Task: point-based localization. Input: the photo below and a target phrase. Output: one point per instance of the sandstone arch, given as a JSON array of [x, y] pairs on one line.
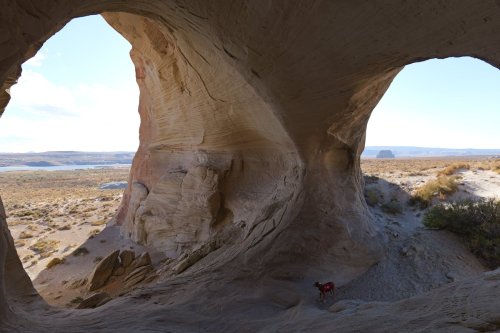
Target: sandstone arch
[[260, 109]]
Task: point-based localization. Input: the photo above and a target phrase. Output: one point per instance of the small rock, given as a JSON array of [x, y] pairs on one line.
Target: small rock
[[451, 276], [492, 275], [94, 301], [143, 260], [126, 257], [103, 271]]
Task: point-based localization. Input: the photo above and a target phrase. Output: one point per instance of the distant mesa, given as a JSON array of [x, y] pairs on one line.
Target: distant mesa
[[40, 164], [412, 151], [385, 154]]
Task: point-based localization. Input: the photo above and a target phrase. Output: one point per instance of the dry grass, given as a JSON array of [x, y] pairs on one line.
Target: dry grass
[[46, 208], [439, 187], [423, 166], [55, 262], [44, 247], [453, 168]]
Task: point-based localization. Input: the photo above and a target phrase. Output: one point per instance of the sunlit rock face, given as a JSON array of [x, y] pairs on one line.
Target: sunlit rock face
[[213, 157], [253, 118]]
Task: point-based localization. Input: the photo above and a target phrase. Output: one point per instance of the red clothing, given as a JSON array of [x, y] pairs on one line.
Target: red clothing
[[324, 288]]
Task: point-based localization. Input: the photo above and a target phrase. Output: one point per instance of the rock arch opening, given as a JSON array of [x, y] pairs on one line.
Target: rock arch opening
[[431, 140], [70, 126]]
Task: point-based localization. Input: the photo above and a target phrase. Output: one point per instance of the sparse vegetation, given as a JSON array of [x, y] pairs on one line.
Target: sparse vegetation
[[439, 187], [98, 222], [25, 234], [393, 207], [44, 247], [373, 196], [76, 300], [453, 168], [81, 251], [64, 227], [27, 258], [477, 222]]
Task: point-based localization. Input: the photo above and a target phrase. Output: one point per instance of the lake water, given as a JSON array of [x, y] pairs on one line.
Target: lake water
[[63, 167]]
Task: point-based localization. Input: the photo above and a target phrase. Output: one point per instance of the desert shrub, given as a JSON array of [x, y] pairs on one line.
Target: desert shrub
[[451, 169], [44, 247], [81, 251], [496, 167], [64, 227], [441, 186], [55, 262], [76, 300], [27, 258], [25, 234], [477, 222], [493, 165], [392, 207], [98, 222], [373, 196]]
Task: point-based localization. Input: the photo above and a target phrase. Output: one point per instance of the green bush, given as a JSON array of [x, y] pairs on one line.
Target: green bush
[[477, 222]]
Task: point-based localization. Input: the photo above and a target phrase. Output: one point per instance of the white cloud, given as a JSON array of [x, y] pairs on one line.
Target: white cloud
[[45, 116], [37, 60], [37, 95]]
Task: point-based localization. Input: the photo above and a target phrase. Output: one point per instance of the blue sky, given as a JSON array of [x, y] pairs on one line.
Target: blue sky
[[79, 93], [450, 103]]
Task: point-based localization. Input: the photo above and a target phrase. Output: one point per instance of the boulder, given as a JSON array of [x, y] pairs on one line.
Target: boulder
[[103, 271], [94, 301]]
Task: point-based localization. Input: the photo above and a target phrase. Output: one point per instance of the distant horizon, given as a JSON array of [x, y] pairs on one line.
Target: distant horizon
[[134, 151], [426, 147], [69, 151]]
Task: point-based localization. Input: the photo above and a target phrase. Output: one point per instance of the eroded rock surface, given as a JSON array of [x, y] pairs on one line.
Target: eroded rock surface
[[103, 271], [253, 117]]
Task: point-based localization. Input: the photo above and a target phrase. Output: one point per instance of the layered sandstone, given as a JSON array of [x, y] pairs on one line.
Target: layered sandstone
[[253, 117]]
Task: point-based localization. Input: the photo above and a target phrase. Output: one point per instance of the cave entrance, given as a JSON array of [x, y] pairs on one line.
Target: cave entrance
[[433, 139], [74, 117], [437, 114]]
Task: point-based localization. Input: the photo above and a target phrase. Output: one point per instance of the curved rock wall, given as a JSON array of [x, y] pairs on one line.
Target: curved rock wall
[[253, 116], [213, 154]]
